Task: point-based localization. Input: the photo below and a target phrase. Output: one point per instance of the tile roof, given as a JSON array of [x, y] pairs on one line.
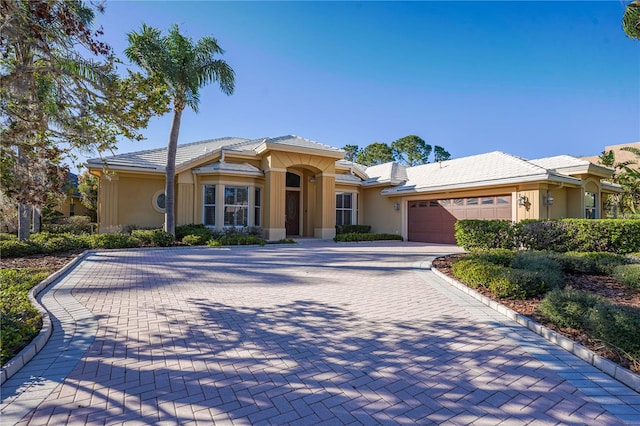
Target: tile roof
[[477, 170], [156, 159], [559, 162], [391, 172], [243, 168]]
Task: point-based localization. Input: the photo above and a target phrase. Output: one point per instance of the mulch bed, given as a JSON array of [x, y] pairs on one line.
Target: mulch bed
[[604, 286]]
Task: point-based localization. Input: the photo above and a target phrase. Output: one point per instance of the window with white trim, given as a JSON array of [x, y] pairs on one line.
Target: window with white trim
[[209, 203], [236, 205], [590, 206], [344, 208], [257, 207]]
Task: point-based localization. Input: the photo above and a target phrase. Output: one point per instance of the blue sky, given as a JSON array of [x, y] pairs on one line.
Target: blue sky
[[533, 79]]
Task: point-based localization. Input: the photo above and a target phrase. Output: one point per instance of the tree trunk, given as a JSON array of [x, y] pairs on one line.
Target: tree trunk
[[24, 221], [169, 190], [37, 219]]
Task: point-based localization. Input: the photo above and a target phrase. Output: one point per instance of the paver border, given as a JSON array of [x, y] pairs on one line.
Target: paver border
[[37, 344], [621, 374]]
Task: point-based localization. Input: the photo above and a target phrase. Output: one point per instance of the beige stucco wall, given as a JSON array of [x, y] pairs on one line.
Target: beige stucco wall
[[378, 212], [135, 204]]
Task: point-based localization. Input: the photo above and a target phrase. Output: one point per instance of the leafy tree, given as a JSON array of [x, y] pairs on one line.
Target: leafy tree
[[184, 67], [627, 176], [411, 150], [374, 154], [351, 152], [54, 100], [88, 188], [440, 154], [631, 20]]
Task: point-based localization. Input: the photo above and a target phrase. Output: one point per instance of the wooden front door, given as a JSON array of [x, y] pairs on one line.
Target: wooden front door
[[292, 212]]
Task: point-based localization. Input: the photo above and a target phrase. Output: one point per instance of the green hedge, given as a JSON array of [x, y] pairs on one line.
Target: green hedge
[[620, 236], [628, 275], [350, 229], [475, 234], [20, 322], [356, 236]]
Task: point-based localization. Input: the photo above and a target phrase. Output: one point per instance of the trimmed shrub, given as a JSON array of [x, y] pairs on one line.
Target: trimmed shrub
[[240, 240], [153, 237], [113, 241], [193, 229], [568, 307], [59, 243], [597, 263], [349, 229], [628, 275], [213, 243], [522, 284], [20, 322], [543, 235], [70, 225], [612, 235], [475, 234], [476, 272], [194, 240], [7, 237], [617, 327], [15, 248], [355, 237], [502, 257]]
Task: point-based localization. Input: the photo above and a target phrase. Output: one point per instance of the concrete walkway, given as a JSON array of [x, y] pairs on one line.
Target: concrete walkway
[[302, 334]]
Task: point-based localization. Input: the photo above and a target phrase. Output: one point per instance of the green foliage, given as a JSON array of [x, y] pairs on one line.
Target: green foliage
[[628, 275], [214, 243], [356, 236], [6, 237], [504, 287], [502, 257], [584, 235], [631, 20], [475, 234], [568, 307], [20, 322], [193, 229], [88, 189], [525, 283], [351, 152], [617, 327], [240, 240], [348, 229], [109, 241], [71, 225], [15, 248], [194, 240], [597, 263], [440, 154], [374, 154], [543, 235], [476, 272], [153, 237], [411, 151], [60, 243]]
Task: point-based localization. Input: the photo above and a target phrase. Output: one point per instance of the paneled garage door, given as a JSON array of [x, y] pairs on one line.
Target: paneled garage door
[[432, 221]]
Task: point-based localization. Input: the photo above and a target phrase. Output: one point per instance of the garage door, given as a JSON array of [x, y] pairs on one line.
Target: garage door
[[432, 221]]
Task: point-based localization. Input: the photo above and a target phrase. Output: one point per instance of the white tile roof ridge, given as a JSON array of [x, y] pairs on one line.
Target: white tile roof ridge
[[292, 136], [158, 150]]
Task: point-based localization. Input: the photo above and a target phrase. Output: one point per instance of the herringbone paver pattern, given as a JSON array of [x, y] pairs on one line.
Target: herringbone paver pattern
[[310, 334]]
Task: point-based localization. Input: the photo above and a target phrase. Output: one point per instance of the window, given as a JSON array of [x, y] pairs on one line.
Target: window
[[591, 211], [159, 201], [472, 201], [445, 202], [344, 208], [257, 207], [236, 205], [458, 201], [209, 205], [433, 203], [503, 200], [487, 200], [293, 180]]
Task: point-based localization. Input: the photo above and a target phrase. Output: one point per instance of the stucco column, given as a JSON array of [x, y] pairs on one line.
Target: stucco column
[[108, 204], [274, 204], [325, 218], [184, 199]]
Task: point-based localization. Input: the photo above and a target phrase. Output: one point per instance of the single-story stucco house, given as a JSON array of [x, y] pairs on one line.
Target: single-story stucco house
[[290, 186]]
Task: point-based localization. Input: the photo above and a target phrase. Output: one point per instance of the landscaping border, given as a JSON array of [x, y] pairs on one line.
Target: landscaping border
[[28, 352], [623, 375]]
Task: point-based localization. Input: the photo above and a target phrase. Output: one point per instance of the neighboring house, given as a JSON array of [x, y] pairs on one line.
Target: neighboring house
[[620, 155], [72, 204], [291, 186]]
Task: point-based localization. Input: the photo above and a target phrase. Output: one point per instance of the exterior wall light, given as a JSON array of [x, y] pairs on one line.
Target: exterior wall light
[[396, 206], [547, 200], [522, 200]]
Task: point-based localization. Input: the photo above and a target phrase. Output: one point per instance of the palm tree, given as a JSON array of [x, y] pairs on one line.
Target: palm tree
[[185, 67], [631, 20]]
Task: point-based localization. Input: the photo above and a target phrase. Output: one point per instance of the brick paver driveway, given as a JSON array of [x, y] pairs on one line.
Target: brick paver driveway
[[307, 334]]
